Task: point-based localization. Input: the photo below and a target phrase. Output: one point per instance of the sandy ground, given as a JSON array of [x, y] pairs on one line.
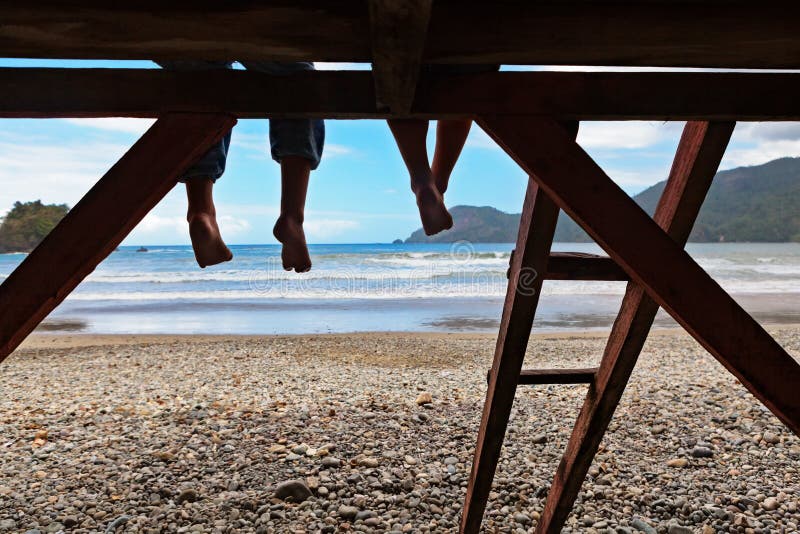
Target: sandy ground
[[202, 433]]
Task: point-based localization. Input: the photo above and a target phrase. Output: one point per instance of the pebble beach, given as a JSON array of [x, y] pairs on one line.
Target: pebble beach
[[372, 433]]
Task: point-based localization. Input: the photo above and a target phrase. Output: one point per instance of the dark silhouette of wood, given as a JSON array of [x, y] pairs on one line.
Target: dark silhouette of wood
[[731, 34], [699, 153], [534, 377], [102, 219], [580, 266], [398, 31], [536, 230], [668, 274], [43, 93]]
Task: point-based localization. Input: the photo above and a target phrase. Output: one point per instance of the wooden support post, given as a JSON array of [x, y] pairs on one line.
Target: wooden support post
[[398, 31], [536, 230], [102, 219], [667, 273], [699, 153]]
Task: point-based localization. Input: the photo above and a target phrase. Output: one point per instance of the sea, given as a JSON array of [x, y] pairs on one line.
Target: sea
[[456, 287]]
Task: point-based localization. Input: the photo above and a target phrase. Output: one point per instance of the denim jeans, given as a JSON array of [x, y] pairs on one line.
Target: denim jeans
[[287, 137]]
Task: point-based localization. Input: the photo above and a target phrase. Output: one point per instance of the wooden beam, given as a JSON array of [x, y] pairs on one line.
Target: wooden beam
[[668, 274], [579, 266], [557, 376], [536, 230], [729, 34], [102, 219], [699, 153], [398, 31], [47, 93]]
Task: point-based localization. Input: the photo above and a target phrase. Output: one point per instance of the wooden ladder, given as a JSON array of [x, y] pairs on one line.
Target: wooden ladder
[[700, 151]]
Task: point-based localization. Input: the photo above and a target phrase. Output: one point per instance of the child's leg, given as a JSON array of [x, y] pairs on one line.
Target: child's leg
[[295, 174], [209, 248], [450, 138], [410, 136]]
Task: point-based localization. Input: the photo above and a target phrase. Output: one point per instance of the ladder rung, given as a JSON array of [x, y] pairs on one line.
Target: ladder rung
[[554, 376], [580, 266]]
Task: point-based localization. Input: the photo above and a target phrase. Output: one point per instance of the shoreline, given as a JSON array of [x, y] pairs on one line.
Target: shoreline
[[64, 340]]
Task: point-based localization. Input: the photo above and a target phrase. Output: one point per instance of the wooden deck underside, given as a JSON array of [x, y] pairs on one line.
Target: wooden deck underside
[[522, 111]]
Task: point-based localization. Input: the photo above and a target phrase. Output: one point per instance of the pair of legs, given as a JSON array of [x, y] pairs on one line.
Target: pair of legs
[[429, 180], [296, 144], [209, 247]]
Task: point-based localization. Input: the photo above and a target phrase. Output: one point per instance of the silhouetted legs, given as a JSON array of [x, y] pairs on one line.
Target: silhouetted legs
[[450, 138], [209, 248], [410, 135], [295, 174]]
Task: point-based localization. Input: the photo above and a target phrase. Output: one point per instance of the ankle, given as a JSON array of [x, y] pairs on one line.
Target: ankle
[[295, 218], [200, 214]]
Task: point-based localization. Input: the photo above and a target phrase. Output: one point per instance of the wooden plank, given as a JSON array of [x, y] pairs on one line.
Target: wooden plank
[[580, 266], [44, 93], [533, 377], [536, 230], [557, 376], [733, 34], [398, 31], [699, 153], [669, 275], [102, 219]]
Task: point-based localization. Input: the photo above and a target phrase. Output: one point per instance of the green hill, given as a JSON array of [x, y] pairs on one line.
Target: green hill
[[27, 223], [751, 204]]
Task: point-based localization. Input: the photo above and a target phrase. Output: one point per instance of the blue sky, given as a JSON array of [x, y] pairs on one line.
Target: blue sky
[[359, 194]]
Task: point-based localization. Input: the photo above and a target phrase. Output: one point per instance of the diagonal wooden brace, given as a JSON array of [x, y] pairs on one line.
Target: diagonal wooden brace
[[545, 150], [536, 230], [102, 219], [699, 153]]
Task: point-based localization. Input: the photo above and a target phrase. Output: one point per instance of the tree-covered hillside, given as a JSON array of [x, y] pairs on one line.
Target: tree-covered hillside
[[27, 223], [760, 203]]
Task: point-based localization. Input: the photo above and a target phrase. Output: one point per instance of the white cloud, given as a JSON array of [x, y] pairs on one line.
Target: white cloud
[[603, 135], [329, 65], [625, 135], [115, 124], [757, 143], [332, 150], [35, 168], [324, 228]]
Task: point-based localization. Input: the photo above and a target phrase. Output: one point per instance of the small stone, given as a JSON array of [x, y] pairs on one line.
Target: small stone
[[770, 504], [677, 462], [300, 449], [329, 462], [771, 437], [640, 524], [424, 398], [292, 491], [348, 512], [450, 460], [702, 452], [70, 521], [657, 429], [708, 529], [187, 495], [522, 519], [365, 514], [678, 529], [539, 439], [115, 524], [7, 525], [55, 526]]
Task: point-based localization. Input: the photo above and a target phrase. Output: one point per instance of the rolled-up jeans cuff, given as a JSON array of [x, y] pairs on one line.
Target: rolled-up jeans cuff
[[303, 138]]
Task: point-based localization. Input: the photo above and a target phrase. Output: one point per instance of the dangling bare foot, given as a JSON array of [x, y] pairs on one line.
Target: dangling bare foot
[[209, 248], [432, 211], [294, 252]]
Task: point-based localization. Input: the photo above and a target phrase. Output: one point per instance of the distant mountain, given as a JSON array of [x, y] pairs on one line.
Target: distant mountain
[[27, 224], [759, 203]]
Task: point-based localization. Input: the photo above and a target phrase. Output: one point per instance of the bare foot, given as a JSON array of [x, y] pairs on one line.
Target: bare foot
[[432, 211], [209, 248], [294, 253]]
